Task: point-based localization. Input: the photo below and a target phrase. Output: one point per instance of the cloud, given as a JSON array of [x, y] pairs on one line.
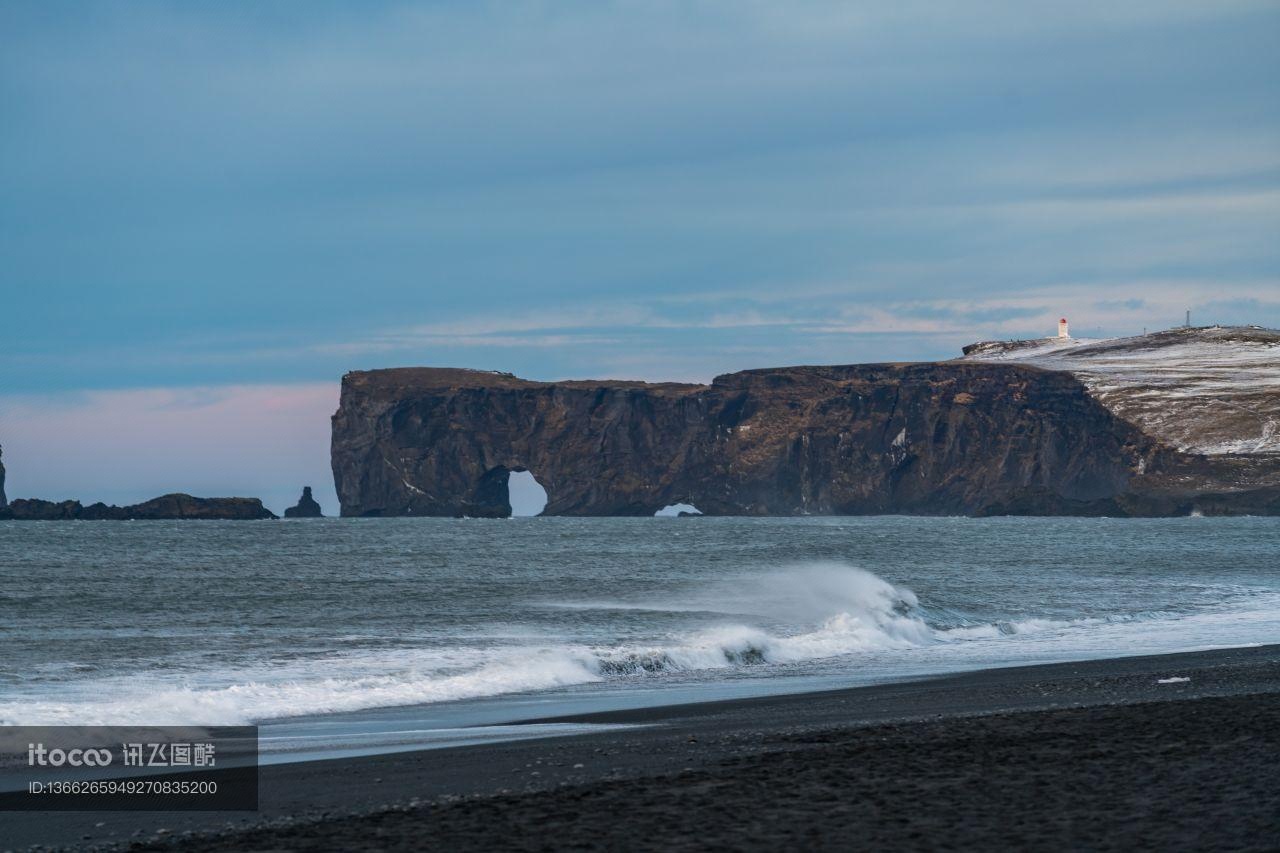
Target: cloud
[[1120, 304], [778, 318]]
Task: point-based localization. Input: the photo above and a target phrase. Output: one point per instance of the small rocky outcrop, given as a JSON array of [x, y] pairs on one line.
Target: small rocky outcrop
[[307, 507], [34, 509], [163, 508]]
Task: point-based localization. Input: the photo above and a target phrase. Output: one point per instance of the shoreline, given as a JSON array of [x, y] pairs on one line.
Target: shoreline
[[335, 803]]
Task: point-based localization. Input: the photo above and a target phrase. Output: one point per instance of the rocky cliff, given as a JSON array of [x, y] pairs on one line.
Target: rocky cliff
[[3, 501], [959, 437], [166, 507]]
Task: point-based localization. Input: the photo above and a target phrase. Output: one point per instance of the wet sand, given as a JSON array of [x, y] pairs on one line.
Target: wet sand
[[1090, 755]]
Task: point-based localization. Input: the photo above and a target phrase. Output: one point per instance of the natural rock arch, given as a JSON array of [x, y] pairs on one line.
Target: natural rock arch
[[494, 496], [525, 495]]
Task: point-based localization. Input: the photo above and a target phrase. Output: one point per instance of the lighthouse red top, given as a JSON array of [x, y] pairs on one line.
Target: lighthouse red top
[[1063, 320]]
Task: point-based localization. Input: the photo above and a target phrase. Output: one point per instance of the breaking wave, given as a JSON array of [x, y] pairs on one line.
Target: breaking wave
[[826, 612]]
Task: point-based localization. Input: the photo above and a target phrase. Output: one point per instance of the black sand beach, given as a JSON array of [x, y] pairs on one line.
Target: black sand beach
[[1090, 755]]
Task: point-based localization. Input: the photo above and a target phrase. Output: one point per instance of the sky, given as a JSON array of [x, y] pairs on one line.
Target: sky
[[210, 211]]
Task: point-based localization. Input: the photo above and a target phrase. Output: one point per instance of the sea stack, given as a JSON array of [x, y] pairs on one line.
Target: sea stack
[[306, 508], [3, 501]]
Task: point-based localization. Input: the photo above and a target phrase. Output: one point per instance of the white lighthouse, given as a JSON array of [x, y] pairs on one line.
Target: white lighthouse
[[1062, 328]]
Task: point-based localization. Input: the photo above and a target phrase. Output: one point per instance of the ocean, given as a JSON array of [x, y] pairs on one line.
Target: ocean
[[341, 636]]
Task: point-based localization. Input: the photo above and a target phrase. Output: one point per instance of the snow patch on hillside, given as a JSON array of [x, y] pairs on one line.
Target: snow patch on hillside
[[1212, 390]]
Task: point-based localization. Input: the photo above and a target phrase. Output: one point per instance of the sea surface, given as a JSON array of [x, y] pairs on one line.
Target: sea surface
[[341, 636]]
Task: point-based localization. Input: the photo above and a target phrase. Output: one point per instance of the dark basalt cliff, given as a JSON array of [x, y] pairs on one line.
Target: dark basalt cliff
[[307, 507], [166, 507], [968, 438], [3, 501]]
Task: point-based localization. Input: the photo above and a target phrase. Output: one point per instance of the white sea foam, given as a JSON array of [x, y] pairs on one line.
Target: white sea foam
[[814, 613], [837, 610], [306, 692]]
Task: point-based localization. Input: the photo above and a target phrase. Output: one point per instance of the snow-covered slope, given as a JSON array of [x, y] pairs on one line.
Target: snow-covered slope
[[1213, 390]]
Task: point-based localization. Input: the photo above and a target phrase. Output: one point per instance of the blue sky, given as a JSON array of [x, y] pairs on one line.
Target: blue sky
[[208, 206]]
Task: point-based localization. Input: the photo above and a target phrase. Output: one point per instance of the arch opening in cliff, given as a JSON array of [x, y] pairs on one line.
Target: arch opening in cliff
[[674, 510], [526, 496]]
